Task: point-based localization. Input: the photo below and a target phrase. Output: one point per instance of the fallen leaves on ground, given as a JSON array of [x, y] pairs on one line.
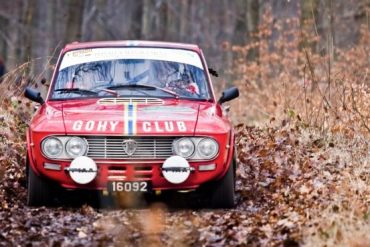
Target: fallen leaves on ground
[[285, 181]]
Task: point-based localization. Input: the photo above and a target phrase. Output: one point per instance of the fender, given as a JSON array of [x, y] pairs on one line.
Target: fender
[[31, 159], [229, 155]]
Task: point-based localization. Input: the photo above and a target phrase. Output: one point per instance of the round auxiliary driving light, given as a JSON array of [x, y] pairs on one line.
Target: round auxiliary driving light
[[83, 170], [176, 169]]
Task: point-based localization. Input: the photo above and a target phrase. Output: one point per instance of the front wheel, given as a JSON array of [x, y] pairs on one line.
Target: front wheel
[[221, 193], [39, 191]]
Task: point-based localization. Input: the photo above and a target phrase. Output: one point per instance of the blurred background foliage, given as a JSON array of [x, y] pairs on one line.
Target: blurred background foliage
[[38, 29]]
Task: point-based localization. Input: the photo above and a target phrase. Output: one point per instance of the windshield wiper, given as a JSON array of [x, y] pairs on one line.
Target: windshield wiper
[[125, 85], [75, 90], [85, 91]]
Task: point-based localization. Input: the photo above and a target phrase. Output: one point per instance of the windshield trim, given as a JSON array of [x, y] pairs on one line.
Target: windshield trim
[[165, 98]]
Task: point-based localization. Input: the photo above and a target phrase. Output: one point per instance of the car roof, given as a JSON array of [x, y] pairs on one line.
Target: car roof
[[130, 43]]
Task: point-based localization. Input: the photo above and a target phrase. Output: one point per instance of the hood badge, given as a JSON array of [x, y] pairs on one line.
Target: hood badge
[[129, 146]]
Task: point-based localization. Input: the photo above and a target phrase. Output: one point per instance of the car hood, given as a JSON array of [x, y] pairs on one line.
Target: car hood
[[92, 118]]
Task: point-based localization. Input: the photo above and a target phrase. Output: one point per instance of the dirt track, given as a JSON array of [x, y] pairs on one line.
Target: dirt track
[[152, 225], [271, 193]]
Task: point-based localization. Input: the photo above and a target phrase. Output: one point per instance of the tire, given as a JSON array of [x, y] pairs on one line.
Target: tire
[[221, 193], [39, 191]]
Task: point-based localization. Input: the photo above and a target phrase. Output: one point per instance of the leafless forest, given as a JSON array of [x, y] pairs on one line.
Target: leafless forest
[[302, 121], [37, 29]]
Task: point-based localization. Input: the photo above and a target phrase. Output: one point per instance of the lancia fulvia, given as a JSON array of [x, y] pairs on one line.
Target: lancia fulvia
[[131, 117]]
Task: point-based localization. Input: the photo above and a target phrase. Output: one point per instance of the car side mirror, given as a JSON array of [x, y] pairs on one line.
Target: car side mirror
[[229, 94], [213, 72], [33, 95]]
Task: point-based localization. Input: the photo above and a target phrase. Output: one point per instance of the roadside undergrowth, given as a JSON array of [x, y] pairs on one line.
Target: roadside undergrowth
[[317, 107], [15, 114]]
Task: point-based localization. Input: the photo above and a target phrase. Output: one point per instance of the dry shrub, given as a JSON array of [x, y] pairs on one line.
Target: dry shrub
[[15, 113], [323, 101], [290, 82]]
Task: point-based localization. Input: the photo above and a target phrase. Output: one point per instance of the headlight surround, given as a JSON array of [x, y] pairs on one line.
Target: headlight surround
[[64, 147], [52, 147], [196, 148], [207, 148], [184, 147], [76, 147]]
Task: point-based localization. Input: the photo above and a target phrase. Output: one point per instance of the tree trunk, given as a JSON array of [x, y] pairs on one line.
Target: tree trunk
[[145, 20], [100, 32], [28, 35], [74, 21], [184, 11], [252, 20], [309, 20]]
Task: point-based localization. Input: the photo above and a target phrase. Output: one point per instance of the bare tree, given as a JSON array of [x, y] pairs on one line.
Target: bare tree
[[74, 20]]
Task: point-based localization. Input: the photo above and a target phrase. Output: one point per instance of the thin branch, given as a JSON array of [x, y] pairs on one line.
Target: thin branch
[[354, 107], [314, 80], [6, 38]]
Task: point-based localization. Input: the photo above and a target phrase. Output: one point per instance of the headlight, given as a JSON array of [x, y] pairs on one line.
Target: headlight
[[76, 147], [184, 147], [207, 148], [52, 147]]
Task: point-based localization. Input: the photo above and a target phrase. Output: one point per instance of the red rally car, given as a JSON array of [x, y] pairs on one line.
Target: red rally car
[[132, 116]]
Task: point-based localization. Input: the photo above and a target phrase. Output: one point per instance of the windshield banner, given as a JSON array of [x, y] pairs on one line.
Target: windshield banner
[[100, 54]]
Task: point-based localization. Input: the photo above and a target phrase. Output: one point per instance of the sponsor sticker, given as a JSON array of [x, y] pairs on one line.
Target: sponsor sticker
[[130, 126]]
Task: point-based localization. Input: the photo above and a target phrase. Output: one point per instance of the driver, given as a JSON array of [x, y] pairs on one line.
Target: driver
[[175, 77]]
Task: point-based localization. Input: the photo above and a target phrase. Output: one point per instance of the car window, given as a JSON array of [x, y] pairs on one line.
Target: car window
[[93, 70]]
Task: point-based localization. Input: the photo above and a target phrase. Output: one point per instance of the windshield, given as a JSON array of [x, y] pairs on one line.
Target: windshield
[[131, 72]]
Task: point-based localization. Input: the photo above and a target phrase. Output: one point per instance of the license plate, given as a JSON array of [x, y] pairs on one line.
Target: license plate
[[127, 186]]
